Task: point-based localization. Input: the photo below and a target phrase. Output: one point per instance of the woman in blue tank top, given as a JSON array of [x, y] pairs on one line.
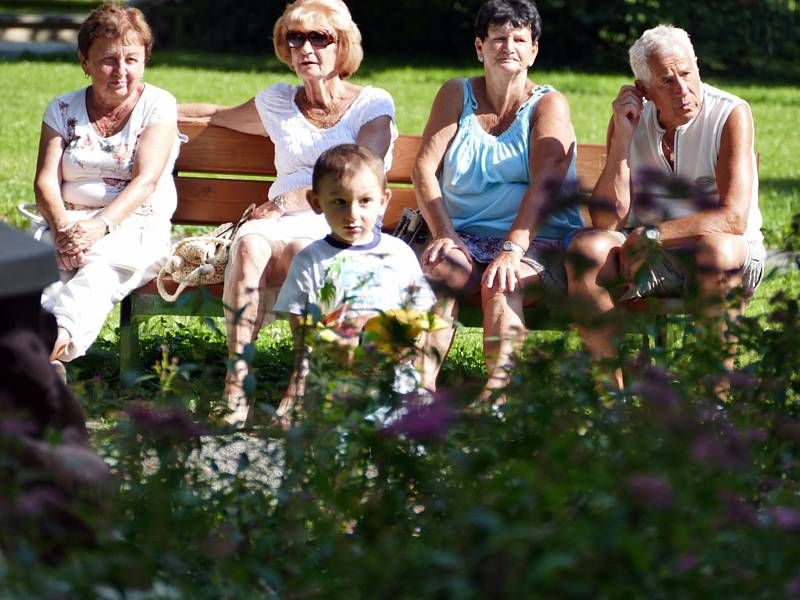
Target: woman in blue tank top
[[494, 151]]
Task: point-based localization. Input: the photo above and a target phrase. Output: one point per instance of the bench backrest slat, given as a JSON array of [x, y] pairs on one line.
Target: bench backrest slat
[[222, 152]]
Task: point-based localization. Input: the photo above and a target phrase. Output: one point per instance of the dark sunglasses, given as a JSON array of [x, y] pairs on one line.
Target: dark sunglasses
[[317, 39]]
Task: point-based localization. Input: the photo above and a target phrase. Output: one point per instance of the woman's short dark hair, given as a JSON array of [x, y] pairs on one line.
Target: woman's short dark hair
[[113, 20], [520, 13]]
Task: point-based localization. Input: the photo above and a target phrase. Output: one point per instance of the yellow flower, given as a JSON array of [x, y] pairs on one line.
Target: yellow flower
[[399, 328]]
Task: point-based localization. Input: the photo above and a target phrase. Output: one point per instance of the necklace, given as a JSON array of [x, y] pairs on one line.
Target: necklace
[[109, 123], [669, 150], [322, 117]]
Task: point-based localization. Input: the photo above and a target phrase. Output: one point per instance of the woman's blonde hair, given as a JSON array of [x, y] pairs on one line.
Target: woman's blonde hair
[[305, 14]]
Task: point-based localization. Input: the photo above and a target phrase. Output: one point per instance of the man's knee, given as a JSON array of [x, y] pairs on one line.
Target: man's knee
[[589, 251], [720, 253]]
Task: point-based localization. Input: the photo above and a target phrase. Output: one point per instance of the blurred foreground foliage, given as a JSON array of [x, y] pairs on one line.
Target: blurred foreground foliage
[[566, 490]]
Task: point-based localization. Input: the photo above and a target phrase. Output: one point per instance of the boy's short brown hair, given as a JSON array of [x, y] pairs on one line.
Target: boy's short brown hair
[[343, 160]]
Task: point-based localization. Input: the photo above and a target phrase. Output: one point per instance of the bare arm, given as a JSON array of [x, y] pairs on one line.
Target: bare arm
[[376, 135], [152, 153], [242, 118], [47, 182], [439, 132], [611, 198], [734, 183], [552, 145], [47, 190]]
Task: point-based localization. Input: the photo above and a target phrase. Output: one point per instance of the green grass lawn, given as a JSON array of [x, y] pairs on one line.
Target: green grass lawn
[[28, 85]]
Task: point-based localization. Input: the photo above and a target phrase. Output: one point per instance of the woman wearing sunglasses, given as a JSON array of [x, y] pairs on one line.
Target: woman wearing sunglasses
[[320, 42], [495, 154]]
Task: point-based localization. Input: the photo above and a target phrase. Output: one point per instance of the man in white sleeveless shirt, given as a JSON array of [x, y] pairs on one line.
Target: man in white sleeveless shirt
[[705, 233]]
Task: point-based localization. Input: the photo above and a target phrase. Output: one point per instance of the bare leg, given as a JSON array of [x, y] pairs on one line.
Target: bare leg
[[720, 258], [63, 339], [503, 330], [435, 345], [592, 264], [454, 275], [256, 264], [244, 313]]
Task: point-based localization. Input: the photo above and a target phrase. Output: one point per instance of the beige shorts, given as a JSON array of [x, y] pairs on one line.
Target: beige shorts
[[668, 272]]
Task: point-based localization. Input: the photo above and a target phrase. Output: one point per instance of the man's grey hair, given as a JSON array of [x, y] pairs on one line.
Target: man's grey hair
[[662, 39]]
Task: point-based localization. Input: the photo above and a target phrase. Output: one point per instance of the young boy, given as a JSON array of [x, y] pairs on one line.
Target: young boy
[[356, 271]]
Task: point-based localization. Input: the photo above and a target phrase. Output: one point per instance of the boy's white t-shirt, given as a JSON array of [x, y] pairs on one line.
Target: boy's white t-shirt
[[381, 275]]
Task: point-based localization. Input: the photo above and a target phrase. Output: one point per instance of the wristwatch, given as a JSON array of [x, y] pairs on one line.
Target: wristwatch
[[280, 203], [652, 233], [509, 246], [111, 227]]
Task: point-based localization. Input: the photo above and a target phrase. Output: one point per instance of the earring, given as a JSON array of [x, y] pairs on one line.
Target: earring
[[86, 76], [480, 58]]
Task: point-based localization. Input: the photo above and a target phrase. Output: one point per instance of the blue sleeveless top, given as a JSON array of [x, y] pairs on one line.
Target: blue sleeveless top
[[484, 177]]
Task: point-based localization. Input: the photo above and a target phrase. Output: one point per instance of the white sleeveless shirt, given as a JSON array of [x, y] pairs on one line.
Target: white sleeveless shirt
[[696, 151], [298, 143]]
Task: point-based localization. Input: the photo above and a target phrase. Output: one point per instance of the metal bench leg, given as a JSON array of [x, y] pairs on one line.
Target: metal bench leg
[[128, 339], [661, 334], [644, 353]]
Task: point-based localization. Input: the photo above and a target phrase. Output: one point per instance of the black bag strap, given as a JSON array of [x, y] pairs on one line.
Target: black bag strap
[[230, 232]]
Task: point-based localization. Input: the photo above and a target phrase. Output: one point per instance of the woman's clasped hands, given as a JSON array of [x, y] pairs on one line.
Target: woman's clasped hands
[[74, 240]]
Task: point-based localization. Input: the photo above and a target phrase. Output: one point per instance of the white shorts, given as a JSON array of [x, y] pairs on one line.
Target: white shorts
[[291, 226]]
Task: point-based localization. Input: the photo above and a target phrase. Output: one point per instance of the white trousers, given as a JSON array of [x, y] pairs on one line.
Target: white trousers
[[116, 265], [83, 298]]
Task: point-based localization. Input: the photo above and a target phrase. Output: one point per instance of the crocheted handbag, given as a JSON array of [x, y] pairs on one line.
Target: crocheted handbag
[[200, 260]]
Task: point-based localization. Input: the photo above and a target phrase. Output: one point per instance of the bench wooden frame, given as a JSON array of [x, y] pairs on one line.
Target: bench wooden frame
[[220, 172]]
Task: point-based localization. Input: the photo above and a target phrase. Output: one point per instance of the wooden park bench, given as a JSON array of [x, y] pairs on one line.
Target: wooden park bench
[[220, 172]]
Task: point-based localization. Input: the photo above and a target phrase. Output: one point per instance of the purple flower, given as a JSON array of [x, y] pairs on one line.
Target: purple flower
[[756, 435], [12, 426], [724, 449], [792, 588], [786, 518], [654, 386], [650, 491], [167, 424], [36, 501], [769, 484], [737, 510], [423, 421], [686, 562]]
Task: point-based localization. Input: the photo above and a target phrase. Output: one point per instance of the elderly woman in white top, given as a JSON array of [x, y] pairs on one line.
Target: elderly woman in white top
[[104, 177], [320, 42]]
